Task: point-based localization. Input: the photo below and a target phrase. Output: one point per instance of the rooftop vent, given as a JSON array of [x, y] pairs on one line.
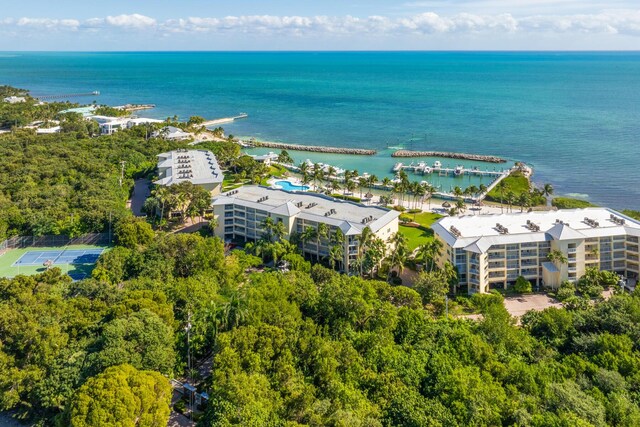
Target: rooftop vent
[[616, 220], [502, 229], [455, 231], [231, 193]]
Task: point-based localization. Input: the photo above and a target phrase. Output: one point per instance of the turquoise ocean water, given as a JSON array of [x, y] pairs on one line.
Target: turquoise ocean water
[[575, 117]]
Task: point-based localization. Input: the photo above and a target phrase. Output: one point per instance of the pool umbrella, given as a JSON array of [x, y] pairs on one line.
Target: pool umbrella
[[446, 205]]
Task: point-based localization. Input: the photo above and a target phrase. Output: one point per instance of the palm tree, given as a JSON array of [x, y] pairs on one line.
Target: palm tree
[[557, 257], [419, 191], [308, 234], [285, 158], [334, 185], [364, 239], [482, 189], [524, 200], [336, 255], [322, 232], [510, 198], [457, 191], [268, 225], [429, 252], [279, 231], [429, 189], [350, 186], [547, 191], [331, 172], [386, 182], [460, 206], [399, 254], [502, 186]]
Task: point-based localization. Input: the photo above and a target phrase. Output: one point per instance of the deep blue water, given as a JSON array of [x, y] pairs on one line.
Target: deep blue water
[[574, 116]]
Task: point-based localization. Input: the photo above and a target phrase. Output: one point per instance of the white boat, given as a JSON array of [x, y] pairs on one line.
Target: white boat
[[427, 169], [437, 164], [459, 170], [397, 167]]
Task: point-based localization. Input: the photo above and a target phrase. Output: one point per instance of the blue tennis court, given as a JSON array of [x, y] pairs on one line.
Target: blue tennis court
[[69, 256]]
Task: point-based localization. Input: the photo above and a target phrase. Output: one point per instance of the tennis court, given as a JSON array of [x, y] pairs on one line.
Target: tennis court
[[65, 256], [77, 261]]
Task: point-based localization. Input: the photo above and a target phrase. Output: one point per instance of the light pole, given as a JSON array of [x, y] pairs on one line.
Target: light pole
[[187, 328]]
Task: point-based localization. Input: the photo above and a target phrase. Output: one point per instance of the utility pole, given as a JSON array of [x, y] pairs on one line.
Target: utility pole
[[191, 394], [122, 163]]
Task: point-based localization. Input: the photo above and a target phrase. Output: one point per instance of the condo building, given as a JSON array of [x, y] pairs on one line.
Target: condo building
[[199, 167], [491, 251], [240, 214]]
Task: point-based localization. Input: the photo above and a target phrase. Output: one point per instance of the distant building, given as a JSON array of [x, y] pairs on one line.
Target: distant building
[[240, 214], [199, 167], [15, 99], [172, 133], [110, 125], [267, 159], [491, 251]]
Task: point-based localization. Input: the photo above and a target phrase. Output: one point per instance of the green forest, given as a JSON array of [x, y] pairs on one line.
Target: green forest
[[305, 347]]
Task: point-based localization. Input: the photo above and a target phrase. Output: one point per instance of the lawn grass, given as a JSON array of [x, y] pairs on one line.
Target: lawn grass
[[516, 183], [418, 236], [7, 269]]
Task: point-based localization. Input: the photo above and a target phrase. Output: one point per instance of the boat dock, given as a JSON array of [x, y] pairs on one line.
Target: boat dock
[[216, 122], [424, 169]]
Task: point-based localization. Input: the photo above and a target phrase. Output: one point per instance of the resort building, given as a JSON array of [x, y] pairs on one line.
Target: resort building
[[172, 133], [240, 214], [267, 159], [199, 167], [15, 99], [110, 125], [491, 251]]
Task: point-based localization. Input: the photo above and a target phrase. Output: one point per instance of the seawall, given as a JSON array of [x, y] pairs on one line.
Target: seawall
[[450, 155]]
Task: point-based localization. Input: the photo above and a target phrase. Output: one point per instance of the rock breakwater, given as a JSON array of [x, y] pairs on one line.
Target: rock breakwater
[[449, 155]]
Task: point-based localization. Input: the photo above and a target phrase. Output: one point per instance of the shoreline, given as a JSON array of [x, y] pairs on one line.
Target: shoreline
[[449, 155], [311, 148]]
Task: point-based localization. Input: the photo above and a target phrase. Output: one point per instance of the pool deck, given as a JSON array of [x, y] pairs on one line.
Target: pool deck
[[293, 181]]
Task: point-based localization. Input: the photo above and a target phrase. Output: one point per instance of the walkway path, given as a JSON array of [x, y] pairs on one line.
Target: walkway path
[[141, 192]]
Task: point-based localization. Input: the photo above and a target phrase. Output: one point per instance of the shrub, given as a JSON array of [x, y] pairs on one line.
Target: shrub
[[180, 407], [566, 291], [569, 203], [522, 286]]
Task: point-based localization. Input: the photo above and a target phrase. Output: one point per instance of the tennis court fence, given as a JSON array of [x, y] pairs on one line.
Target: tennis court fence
[[20, 242]]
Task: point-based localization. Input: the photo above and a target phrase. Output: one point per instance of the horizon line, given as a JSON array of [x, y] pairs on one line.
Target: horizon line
[[333, 51]]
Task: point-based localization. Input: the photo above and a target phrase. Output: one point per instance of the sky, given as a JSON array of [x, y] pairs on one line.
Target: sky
[[91, 25]]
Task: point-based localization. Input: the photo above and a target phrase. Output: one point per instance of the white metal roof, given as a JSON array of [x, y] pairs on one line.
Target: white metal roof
[[569, 224], [348, 216], [196, 166]]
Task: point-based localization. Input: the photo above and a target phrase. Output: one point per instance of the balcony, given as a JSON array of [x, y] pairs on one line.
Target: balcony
[[572, 250]]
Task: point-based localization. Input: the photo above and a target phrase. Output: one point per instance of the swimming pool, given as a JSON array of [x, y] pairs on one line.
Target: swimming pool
[[286, 185]]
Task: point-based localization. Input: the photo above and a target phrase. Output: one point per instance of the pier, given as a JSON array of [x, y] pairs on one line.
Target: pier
[[449, 155], [217, 122], [425, 169], [68, 95], [310, 148]]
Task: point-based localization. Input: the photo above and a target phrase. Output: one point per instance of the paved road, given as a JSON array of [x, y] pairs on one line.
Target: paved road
[[141, 192]]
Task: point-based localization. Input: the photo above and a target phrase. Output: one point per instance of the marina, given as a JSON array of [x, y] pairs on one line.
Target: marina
[[459, 170]]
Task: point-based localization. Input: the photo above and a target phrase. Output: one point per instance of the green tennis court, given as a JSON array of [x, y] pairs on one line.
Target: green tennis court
[[75, 260]]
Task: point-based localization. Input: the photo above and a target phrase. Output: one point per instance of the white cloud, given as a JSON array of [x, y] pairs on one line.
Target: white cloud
[[626, 22], [134, 21]]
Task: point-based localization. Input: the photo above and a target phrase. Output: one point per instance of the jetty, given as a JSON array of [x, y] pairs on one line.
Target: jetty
[[449, 155], [136, 107], [311, 148], [67, 95], [217, 122]]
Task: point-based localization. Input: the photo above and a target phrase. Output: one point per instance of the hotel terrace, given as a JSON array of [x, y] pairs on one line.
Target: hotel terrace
[[491, 251], [240, 213], [199, 167]]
